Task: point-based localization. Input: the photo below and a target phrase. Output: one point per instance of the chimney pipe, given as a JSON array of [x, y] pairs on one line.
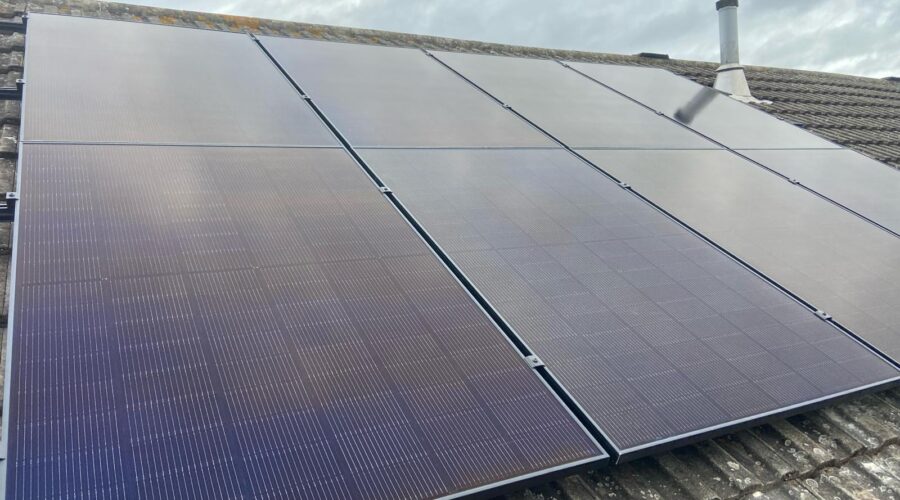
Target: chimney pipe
[[730, 77]]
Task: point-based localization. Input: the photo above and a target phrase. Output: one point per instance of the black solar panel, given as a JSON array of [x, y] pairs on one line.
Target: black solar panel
[[657, 335], [107, 81], [221, 322], [385, 96], [851, 179], [705, 110], [838, 262], [574, 109]]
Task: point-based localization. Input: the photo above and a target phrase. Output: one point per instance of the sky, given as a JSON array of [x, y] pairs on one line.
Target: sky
[[858, 37]]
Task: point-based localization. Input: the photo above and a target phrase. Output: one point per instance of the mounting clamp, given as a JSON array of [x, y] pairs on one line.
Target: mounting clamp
[[385, 189], [822, 315], [534, 361], [8, 207], [506, 106], [13, 26], [624, 185], [305, 97]]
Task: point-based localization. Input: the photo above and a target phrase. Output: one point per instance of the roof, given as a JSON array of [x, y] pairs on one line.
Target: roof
[[849, 450]]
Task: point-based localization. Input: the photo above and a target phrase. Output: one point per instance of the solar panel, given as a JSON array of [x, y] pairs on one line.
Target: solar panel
[[847, 177], [572, 108], [385, 96], [734, 124], [838, 262], [658, 336], [108, 81], [223, 322]]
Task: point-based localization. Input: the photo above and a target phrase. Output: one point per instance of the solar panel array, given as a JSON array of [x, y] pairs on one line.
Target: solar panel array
[[212, 298], [247, 321]]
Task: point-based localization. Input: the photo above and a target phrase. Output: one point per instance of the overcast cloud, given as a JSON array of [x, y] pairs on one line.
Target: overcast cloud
[[860, 37]]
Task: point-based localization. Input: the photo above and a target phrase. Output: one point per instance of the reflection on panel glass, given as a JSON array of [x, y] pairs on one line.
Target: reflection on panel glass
[[656, 334], [847, 177], [253, 322], [111, 81], [572, 108], [387, 96], [833, 259], [734, 124]]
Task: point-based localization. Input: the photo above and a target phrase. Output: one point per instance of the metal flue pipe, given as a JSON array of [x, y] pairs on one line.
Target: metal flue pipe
[[730, 77]]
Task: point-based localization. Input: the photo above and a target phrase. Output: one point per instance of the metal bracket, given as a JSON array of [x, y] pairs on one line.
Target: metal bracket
[[534, 361], [660, 113], [822, 315], [506, 106], [13, 93], [564, 65], [385, 189], [427, 53], [8, 207], [624, 185], [305, 97], [793, 180], [14, 27]]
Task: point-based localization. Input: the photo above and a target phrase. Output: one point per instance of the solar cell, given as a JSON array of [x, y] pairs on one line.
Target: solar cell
[[847, 177], [223, 322], [656, 334], [840, 263], [386, 96], [713, 114], [111, 81], [574, 109]]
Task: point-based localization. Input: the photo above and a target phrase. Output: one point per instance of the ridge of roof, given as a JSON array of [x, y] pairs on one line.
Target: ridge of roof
[[848, 450]]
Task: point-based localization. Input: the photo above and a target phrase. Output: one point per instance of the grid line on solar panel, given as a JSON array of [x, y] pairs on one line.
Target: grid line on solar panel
[[830, 258], [228, 371], [93, 80], [389, 96], [709, 112], [575, 110], [645, 325]]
